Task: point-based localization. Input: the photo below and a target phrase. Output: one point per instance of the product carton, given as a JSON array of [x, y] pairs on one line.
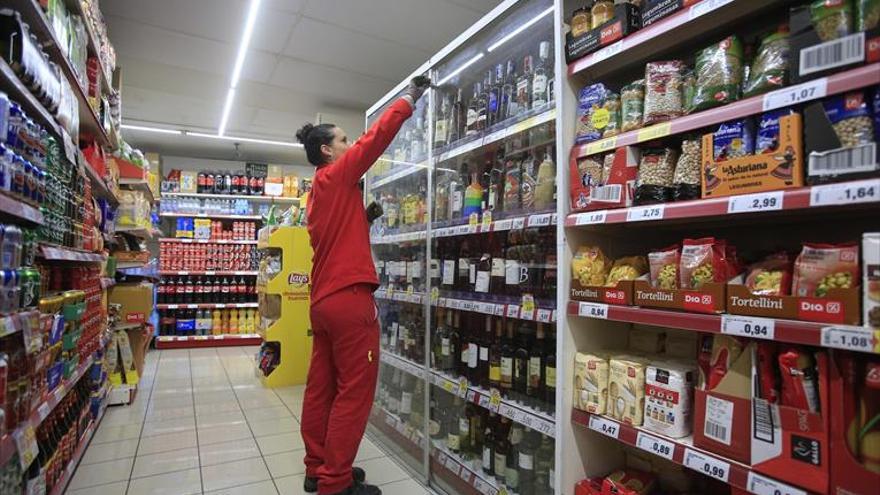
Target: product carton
[[871, 279], [840, 306], [274, 181], [708, 299], [135, 300], [722, 415], [591, 382], [827, 159], [626, 389], [781, 169], [626, 19], [654, 10], [618, 294], [614, 191], [792, 444]]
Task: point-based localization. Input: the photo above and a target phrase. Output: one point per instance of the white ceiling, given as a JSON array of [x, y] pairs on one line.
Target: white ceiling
[[333, 57]]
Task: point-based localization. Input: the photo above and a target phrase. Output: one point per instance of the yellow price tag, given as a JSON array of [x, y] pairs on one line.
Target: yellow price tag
[[602, 145], [528, 303], [487, 219], [503, 491], [435, 295], [463, 387], [495, 399], [409, 290], [474, 219], [654, 132], [449, 386]]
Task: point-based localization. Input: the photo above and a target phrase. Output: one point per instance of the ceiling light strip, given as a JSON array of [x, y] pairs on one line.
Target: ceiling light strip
[[151, 129], [245, 42], [520, 29], [464, 66], [227, 109], [245, 140]]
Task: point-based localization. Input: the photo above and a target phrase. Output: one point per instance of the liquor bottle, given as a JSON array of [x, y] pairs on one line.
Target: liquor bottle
[[524, 87], [507, 362], [484, 274], [521, 367], [489, 441], [462, 279], [456, 195], [473, 112], [550, 374], [540, 78], [441, 126], [473, 349], [508, 107], [502, 448], [482, 105], [453, 361], [528, 183], [498, 275], [495, 357], [526, 462], [436, 422], [473, 199], [457, 120], [493, 178], [441, 198], [438, 337], [473, 417], [493, 94], [544, 462], [485, 343], [545, 182], [512, 201], [511, 473], [537, 356], [464, 349], [406, 397], [453, 433]]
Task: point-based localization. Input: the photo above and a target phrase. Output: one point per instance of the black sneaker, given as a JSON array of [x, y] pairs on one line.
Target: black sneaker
[[310, 485], [360, 489]]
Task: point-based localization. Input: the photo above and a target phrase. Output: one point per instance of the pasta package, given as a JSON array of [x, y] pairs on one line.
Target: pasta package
[[591, 382], [706, 260], [832, 19], [820, 267], [627, 268], [626, 389], [770, 277], [664, 267], [719, 72], [590, 266], [669, 388]]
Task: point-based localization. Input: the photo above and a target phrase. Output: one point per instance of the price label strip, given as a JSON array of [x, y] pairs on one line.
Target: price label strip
[[851, 338], [708, 465], [604, 426], [592, 218], [645, 213], [793, 95], [607, 52], [654, 445], [752, 203], [26, 445], [762, 485], [706, 6], [748, 326], [593, 310], [865, 191]]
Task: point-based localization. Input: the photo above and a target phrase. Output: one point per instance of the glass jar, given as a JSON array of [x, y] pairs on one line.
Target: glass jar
[[580, 21], [602, 12]]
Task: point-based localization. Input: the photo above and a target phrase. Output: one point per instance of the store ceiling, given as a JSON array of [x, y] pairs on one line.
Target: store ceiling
[[307, 57]]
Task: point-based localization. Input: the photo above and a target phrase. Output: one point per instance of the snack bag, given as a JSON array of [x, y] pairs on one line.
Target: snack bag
[[820, 267], [664, 267], [663, 97], [719, 72], [770, 277], [632, 105], [686, 179], [589, 266], [851, 118], [628, 268], [768, 372]]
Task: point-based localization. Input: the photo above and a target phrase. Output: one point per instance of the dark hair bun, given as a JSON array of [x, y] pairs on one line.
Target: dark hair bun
[[303, 133]]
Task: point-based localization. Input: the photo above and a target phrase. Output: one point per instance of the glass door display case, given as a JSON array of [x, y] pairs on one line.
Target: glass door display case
[[466, 254]]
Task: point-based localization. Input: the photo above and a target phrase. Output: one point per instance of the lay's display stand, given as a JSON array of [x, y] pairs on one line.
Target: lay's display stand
[[286, 296]]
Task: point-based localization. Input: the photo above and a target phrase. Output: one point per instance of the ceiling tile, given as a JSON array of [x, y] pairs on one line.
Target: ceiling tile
[[333, 86]]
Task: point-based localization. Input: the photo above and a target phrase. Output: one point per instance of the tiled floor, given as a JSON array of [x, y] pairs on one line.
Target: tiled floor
[[203, 424]]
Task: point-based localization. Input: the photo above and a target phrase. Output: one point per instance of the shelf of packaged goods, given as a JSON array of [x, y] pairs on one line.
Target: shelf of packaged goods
[[99, 187], [545, 219], [208, 306], [401, 170], [217, 216], [32, 13], [861, 193], [58, 253], [403, 435], [191, 341], [204, 241], [25, 429], [504, 306], [681, 451], [141, 185], [417, 235], [147, 271], [10, 324], [518, 125], [209, 272], [142, 232], [259, 199], [848, 337], [812, 90], [681, 29], [492, 400], [67, 475], [93, 46], [402, 363], [13, 207]]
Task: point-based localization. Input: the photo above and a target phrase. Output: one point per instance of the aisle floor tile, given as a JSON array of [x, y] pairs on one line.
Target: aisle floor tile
[[268, 413], [286, 463], [110, 433], [282, 442], [383, 470], [101, 473], [165, 443], [291, 485], [187, 482], [220, 418], [111, 451], [274, 426], [261, 488], [223, 433], [235, 473], [117, 488], [236, 450], [165, 462], [404, 487]]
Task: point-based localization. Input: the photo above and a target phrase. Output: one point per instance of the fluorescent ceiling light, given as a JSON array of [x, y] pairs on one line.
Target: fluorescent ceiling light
[[245, 42], [245, 140], [150, 129], [227, 108], [520, 29], [463, 67]]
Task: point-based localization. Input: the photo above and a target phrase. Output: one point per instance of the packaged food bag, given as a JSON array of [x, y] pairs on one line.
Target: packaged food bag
[[627, 268], [664, 267], [851, 118], [832, 19], [769, 69], [632, 105], [663, 96], [669, 390], [705, 260], [767, 139], [592, 118], [733, 140], [591, 382], [867, 14], [771, 276], [686, 181], [820, 267], [719, 73], [590, 266]]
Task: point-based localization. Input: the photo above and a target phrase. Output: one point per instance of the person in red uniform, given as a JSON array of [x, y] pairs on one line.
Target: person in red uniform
[[345, 354]]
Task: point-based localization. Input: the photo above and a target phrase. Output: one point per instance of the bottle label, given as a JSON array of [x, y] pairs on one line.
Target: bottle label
[[482, 282], [511, 477], [500, 463], [550, 376], [487, 457], [471, 121], [465, 355], [535, 372], [493, 102], [512, 272], [448, 272], [435, 269], [464, 427], [484, 353], [498, 267], [464, 267], [453, 441], [433, 427], [526, 462], [440, 129], [507, 367], [405, 403], [472, 274], [456, 202], [473, 355], [444, 347], [495, 374]]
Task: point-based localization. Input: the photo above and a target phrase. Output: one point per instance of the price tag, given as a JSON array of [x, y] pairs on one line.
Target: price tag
[[518, 223], [503, 491], [761, 485], [592, 218], [654, 445], [524, 419], [645, 213], [798, 93], [751, 203], [26, 445], [593, 310], [503, 224], [219, 305], [608, 51], [850, 338], [482, 486], [864, 191], [463, 387], [604, 426], [483, 401], [544, 315], [540, 220], [441, 457], [435, 295], [487, 221], [748, 326], [210, 272], [602, 145], [499, 310], [527, 314], [654, 132], [173, 306], [43, 411], [201, 337], [453, 466], [545, 427], [494, 400], [512, 311], [705, 7], [708, 465]]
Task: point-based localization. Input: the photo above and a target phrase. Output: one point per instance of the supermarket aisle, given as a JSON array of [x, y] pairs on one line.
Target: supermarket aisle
[[202, 423]]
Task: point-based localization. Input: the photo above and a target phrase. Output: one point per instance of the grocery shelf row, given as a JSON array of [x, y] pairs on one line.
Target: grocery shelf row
[[218, 216], [501, 225], [208, 306], [192, 341], [258, 199], [10, 324], [20, 210], [205, 241], [811, 90], [58, 253], [84, 441], [208, 272], [506, 306], [681, 451]]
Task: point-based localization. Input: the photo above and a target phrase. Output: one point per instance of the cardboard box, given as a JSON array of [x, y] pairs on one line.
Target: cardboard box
[[136, 301], [655, 10], [615, 191], [710, 299], [722, 415], [871, 279], [626, 20], [827, 159], [792, 444], [781, 169], [619, 294], [841, 306]]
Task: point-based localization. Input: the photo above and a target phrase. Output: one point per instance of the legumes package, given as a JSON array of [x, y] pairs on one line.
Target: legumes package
[[769, 69], [719, 72], [663, 97], [592, 116], [820, 267], [851, 118]]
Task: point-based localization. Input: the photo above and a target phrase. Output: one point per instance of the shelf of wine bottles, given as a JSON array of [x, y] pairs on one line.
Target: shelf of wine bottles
[[489, 305]]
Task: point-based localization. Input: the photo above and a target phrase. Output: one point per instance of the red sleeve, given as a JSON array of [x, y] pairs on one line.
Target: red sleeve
[[366, 150]]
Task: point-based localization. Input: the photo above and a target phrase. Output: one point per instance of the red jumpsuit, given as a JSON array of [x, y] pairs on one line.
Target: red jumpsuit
[[345, 355]]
